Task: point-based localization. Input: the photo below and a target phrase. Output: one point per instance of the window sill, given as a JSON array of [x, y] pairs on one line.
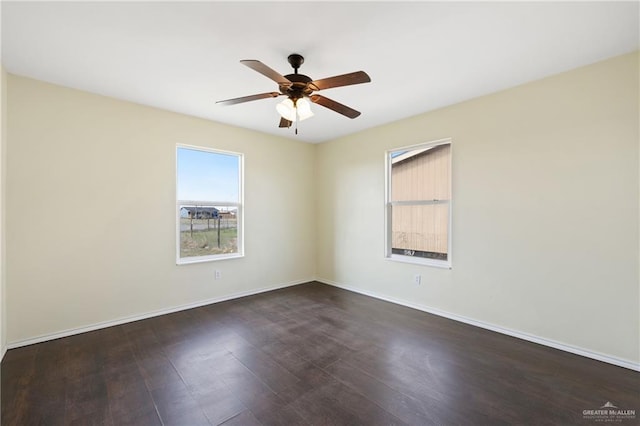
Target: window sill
[[444, 264], [203, 259]]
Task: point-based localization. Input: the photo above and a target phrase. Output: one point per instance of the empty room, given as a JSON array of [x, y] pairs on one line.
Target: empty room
[[320, 213]]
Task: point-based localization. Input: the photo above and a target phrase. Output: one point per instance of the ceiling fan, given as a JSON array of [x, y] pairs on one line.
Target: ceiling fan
[[299, 89]]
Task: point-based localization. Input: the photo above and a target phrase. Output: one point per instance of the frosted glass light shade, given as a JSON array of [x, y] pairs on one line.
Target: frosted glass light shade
[[304, 109], [292, 112], [287, 110]]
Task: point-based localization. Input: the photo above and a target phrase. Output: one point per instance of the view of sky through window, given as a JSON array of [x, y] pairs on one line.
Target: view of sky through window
[[209, 176]]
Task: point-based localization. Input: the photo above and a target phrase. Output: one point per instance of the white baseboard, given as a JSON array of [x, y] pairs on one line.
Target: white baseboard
[[124, 320], [520, 335]]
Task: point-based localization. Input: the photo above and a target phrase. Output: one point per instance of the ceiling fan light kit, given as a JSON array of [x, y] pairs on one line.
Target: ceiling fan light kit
[[295, 109], [299, 88]]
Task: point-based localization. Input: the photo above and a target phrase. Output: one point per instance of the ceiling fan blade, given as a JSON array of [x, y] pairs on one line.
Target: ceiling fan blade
[[249, 98], [266, 71], [335, 106], [357, 77], [284, 122]]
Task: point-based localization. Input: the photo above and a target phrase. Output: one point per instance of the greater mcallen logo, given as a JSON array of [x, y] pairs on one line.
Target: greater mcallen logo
[[609, 413]]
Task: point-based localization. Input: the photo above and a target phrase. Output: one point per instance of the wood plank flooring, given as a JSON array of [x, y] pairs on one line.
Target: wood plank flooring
[[305, 355]]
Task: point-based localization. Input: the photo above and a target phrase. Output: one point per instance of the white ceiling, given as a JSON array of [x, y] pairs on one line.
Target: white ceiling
[[420, 55]]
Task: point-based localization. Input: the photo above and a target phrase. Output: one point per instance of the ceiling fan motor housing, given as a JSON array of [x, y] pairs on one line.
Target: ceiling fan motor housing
[[298, 88]]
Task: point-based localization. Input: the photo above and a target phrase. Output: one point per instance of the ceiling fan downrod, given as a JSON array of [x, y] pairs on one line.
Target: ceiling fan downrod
[[296, 61]]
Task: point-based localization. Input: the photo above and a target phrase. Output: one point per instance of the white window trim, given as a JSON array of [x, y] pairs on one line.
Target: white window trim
[[447, 264], [239, 205]]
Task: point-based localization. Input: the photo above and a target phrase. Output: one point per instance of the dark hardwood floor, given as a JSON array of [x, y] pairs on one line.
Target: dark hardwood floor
[[309, 354]]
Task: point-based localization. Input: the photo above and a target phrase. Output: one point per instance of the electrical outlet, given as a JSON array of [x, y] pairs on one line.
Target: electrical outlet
[[417, 279], [218, 274]]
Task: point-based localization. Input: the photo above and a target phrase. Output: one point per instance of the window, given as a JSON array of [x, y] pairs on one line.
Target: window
[[418, 204], [209, 205]]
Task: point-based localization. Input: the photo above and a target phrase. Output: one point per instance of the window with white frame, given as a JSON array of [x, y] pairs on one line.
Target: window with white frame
[[418, 204], [209, 204]]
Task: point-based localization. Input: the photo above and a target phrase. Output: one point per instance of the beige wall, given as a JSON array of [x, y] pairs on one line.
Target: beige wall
[[545, 210], [81, 168]]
